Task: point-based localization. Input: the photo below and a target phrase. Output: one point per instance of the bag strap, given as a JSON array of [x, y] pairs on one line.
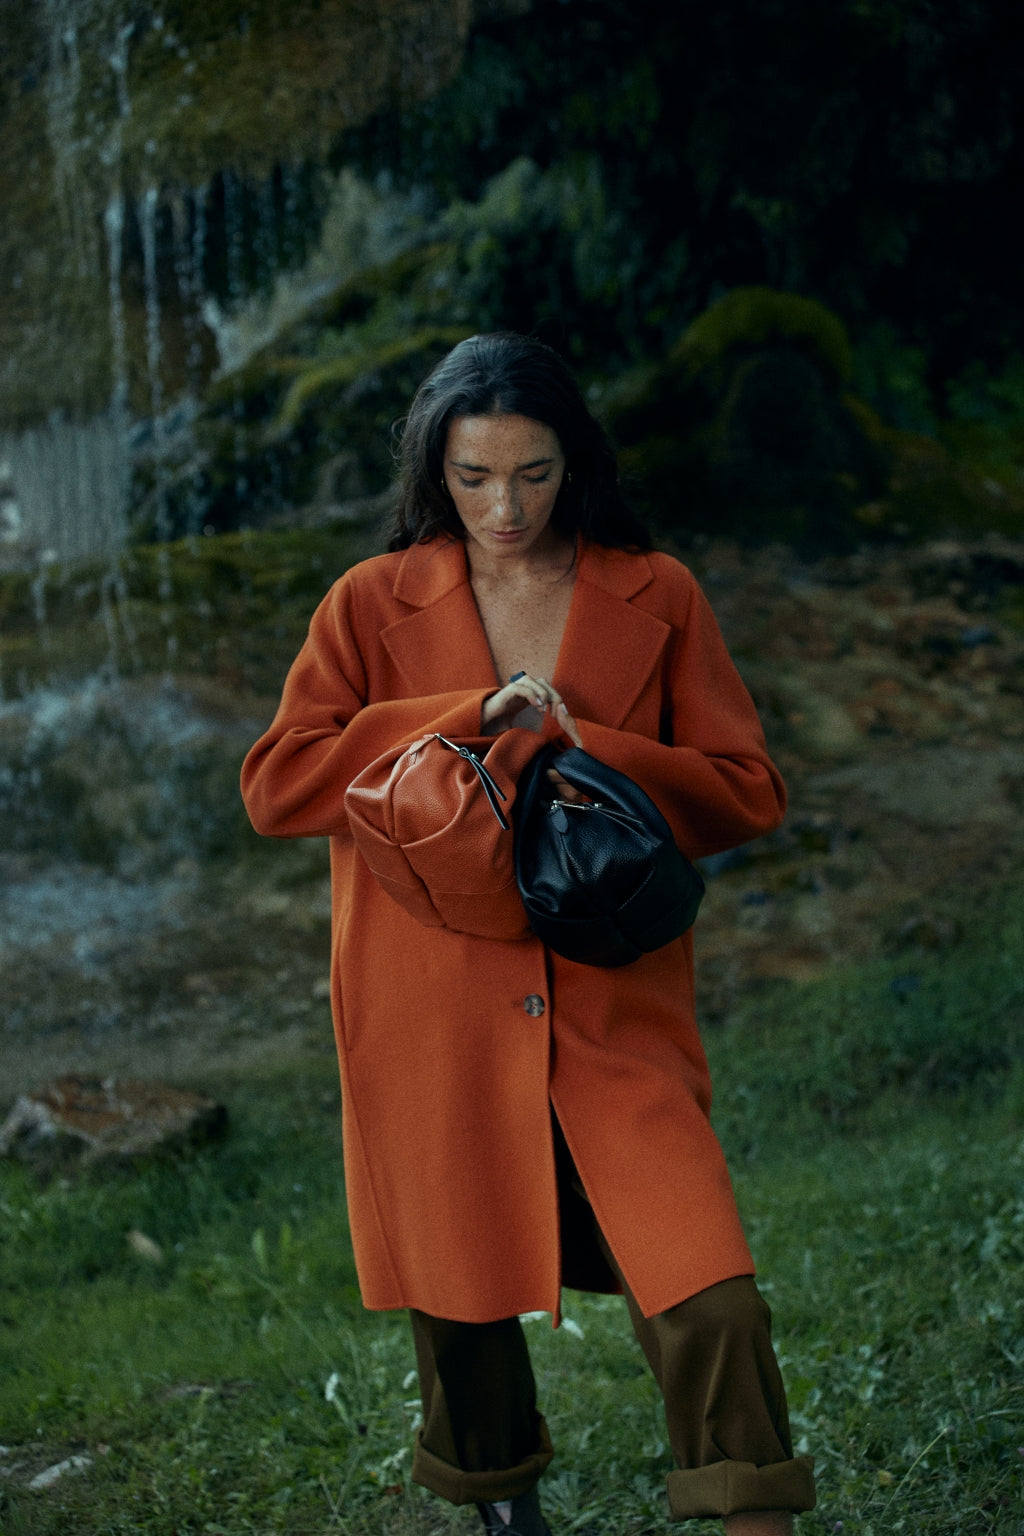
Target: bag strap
[[491, 789]]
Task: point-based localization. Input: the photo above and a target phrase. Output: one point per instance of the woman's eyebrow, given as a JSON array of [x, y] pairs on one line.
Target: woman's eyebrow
[[482, 469]]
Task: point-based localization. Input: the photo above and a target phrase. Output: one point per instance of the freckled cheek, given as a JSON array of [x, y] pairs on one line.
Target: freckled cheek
[[502, 503]]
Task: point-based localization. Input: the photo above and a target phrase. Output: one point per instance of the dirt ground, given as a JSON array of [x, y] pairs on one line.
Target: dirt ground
[[892, 691]]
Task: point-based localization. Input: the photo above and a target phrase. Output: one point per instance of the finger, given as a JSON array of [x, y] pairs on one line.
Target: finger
[[508, 701], [534, 689], [522, 691], [547, 694], [569, 725]]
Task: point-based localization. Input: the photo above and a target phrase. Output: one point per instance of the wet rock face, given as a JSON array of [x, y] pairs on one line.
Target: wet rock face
[[86, 1121], [149, 159]]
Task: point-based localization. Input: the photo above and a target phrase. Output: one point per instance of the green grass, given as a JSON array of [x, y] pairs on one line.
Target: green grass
[[875, 1133]]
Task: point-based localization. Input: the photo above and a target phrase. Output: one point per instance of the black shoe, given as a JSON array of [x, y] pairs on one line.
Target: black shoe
[[525, 1519]]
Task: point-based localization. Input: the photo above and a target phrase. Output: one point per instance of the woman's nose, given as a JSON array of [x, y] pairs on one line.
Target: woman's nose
[[505, 504]]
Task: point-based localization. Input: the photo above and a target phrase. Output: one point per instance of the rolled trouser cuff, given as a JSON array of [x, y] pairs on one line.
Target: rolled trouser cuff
[[460, 1487], [738, 1487]]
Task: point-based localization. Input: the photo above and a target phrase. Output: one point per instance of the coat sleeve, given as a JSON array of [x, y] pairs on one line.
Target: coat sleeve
[[710, 775], [326, 729]]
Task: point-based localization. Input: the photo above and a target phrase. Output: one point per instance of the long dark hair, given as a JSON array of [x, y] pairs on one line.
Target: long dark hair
[[504, 374]]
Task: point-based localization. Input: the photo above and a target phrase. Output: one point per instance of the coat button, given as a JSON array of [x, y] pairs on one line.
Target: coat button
[[534, 1005]]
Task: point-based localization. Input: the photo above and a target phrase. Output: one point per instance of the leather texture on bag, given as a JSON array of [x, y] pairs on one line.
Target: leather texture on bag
[[602, 883], [422, 820]]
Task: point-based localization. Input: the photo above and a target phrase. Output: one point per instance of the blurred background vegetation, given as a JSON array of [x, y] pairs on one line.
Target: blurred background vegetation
[[773, 237]]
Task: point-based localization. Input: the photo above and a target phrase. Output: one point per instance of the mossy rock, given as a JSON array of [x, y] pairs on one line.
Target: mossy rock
[[133, 690], [302, 430], [643, 402], [334, 378], [420, 281], [744, 428], [786, 458], [231, 610], [759, 318]]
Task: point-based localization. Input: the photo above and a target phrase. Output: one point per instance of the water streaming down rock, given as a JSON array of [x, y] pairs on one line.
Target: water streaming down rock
[[160, 177], [149, 204], [69, 479], [157, 213], [113, 222], [161, 171], [63, 85]]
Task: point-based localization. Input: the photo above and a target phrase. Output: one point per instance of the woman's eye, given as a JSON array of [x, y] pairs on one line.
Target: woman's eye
[[538, 479], [470, 485]]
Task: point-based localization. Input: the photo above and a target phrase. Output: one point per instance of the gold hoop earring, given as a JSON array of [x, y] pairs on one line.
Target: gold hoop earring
[[444, 489]]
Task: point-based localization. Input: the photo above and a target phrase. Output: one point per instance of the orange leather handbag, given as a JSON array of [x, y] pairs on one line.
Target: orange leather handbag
[[433, 821]]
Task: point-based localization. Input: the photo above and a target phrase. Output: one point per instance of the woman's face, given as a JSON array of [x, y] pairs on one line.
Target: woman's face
[[504, 473]]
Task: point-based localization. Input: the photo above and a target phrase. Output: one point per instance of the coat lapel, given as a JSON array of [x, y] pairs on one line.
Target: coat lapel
[[441, 647], [610, 647]]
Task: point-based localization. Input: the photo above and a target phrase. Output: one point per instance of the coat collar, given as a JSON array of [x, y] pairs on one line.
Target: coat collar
[[610, 646], [428, 572], [441, 646], [609, 649]]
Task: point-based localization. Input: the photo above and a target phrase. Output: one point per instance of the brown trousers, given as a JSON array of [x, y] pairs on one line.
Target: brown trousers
[[483, 1439]]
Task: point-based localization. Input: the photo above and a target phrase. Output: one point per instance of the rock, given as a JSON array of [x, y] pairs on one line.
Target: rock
[[38, 1467], [144, 1247], [44, 1480], [774, 448], [85, 1121]]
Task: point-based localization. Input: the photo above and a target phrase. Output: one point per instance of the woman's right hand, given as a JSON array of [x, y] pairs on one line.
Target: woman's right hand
[[500, 709]]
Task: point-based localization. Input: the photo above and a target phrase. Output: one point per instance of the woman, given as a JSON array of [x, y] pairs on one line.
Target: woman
[[513, 1121]]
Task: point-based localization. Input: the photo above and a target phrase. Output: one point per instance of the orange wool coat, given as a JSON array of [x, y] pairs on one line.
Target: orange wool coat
[[449, 1067]]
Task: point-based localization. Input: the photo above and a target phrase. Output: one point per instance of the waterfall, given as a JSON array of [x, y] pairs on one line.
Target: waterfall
[[67, 483], [114, 225], [176, 209], [64, 484]]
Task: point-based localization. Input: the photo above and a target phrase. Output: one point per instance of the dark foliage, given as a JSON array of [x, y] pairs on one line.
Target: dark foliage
[[866, 152]]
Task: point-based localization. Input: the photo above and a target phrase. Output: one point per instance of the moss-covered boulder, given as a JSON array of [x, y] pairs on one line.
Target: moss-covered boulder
[[749, 426], [133, 689], [746, 427], [760, 319], [305, 424]]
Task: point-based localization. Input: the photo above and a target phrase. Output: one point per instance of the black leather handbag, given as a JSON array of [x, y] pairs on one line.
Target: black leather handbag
[[602, 881]]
